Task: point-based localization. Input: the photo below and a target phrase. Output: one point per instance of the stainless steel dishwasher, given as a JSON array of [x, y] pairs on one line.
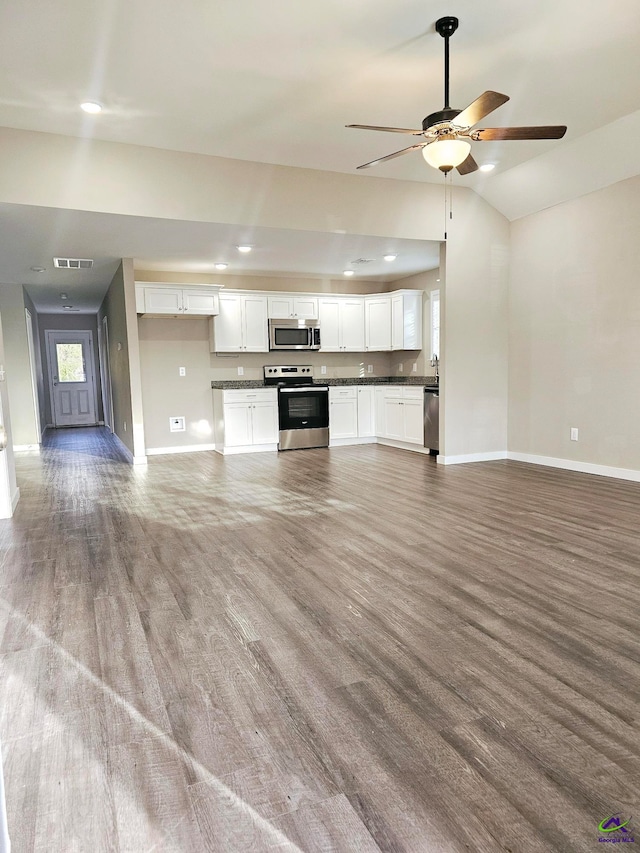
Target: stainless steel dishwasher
[[432, 419]]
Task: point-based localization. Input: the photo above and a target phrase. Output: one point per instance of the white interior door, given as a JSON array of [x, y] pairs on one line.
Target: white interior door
[[72, 381]]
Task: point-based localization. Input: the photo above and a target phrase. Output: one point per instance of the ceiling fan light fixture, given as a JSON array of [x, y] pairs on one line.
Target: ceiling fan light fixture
[[446, 154]]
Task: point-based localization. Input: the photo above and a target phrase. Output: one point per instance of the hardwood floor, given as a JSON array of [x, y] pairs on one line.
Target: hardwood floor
[[326, 650]]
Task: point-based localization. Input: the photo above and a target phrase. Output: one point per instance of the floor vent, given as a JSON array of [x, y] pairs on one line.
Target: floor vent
[[73, 263]]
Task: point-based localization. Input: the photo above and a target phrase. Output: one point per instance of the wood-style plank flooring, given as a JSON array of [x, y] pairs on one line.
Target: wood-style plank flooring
[[327, 650]]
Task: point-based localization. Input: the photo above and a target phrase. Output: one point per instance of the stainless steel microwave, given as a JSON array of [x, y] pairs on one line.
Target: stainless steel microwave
[[294, 334]]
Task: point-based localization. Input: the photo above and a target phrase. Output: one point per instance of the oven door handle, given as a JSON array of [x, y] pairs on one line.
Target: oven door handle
[[304, 390]]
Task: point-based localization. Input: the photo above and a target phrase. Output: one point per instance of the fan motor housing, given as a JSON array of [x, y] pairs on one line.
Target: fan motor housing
[[441, 117]]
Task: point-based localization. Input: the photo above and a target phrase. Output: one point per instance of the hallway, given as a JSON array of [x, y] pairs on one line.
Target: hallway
[[351, 649]]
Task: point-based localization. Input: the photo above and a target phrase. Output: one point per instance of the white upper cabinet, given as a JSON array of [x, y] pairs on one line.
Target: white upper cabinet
[[377, 323], [176, 300], [241, 325], [296, 307], [341, 323], [406, 320]]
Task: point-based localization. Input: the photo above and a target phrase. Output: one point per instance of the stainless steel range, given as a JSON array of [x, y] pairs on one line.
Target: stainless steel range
[[303, 408]]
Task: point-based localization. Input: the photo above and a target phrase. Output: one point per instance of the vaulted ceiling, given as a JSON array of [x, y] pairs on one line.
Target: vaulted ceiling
[[277, 82]]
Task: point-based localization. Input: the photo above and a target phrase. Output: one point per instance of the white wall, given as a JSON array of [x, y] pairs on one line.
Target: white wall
[[17, 366], [474, 338], [574, 330], [61, 172]]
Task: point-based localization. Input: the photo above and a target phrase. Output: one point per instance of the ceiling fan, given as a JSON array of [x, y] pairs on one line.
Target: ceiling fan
[[448, 132]]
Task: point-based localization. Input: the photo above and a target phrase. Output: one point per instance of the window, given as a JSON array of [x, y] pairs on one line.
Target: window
[[70, 363], [435, 324]]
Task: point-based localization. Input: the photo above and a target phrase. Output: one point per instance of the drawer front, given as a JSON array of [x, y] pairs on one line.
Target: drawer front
[[339, 393], [392, 391], [251, 395], [414, 392]]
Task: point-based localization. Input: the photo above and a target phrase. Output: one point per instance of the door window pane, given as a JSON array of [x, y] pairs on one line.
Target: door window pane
[[70, 363]]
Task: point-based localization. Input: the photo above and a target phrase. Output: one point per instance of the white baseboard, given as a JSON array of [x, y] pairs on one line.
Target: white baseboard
[[187, 448], [134, 460], [573, 465], [15, 497], [403, 445], [19, 448], [246, 448], [345, 442], [490, 456]]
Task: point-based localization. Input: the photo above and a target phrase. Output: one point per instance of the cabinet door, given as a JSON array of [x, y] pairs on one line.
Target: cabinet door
[[255, 327], [329, 317], [199, 302], [265, 423], [380, 415], [305, 307], [394, 419], [162, 300], [397, 322], [227, 326], [280, 307], [378, 323], [366, 411], [413, 421], [343, 418], [352, 325], [237, 424]]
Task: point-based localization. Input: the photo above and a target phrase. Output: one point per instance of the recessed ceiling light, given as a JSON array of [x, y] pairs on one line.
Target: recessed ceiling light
[[390, 257], [244, 249], [91, 107], [221, 266], [37, 269], [348, 272], [63, 296], [487, 167]]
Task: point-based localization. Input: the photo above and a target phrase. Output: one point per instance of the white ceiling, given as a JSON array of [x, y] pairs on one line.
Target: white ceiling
[[276, 82], [39, 234]]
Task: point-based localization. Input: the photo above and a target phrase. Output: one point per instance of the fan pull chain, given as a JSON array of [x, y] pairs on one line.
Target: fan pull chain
[[448, 200]]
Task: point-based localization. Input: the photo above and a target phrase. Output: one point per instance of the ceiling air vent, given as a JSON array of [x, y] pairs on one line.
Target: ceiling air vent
[[73, 263], [363, 261]]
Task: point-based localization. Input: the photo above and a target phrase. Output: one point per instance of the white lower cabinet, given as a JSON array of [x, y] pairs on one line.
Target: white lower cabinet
[[400, 413], [246, 421], [366, 411], [351, 414], [343, 412]]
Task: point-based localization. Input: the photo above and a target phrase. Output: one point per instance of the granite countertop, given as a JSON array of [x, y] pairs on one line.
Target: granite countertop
[[242, 384]]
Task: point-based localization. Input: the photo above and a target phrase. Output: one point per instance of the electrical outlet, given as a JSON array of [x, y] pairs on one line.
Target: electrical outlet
[[182, 371], [401, 368], [369, 368], [241, 371], [574, 433], [414, 369], [177, 424], [323, 369]]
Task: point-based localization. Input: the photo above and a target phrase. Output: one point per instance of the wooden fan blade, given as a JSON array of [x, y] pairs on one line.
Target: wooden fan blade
[[469, 165], [391, 156], [547, 132], [481, 107], [387, 129]]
